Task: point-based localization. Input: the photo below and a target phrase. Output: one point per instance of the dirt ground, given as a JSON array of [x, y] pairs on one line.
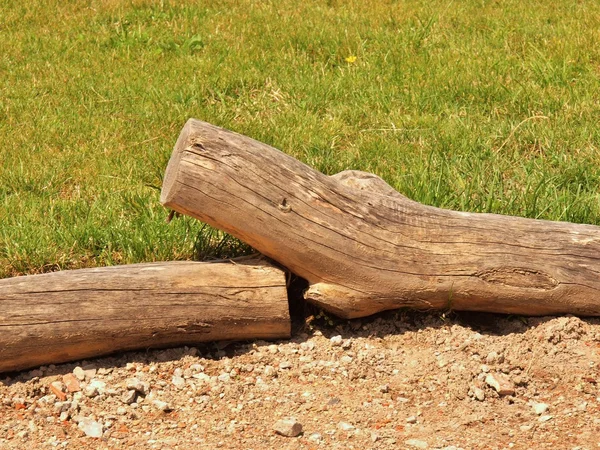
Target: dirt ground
[[397, 380]]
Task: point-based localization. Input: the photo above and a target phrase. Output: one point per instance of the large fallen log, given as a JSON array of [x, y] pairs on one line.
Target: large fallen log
[[70, 315], [365, 248]]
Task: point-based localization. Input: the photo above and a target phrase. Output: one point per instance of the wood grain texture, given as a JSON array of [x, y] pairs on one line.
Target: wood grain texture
[[365, 248], [64, 316]]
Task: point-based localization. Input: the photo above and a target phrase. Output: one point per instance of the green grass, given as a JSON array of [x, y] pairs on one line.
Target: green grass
[[472, 105]]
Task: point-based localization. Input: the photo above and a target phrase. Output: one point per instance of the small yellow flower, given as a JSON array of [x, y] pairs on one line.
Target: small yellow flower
[[351, 59]]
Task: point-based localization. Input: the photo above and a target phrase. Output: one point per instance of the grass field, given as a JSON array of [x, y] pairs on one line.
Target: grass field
[[474, 105]]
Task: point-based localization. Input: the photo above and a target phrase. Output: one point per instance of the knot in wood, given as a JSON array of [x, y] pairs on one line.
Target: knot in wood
[[284, 206]]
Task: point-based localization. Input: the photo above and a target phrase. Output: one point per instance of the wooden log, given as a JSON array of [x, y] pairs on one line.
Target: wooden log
[[70, 315], [365, 248]]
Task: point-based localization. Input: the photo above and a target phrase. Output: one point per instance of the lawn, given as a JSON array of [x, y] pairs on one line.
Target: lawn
[[483, 106]]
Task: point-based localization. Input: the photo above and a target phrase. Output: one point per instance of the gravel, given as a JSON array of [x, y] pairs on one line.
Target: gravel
[[398, 380]]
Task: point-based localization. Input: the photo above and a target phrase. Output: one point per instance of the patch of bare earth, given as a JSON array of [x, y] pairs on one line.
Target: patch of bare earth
[[400, 380]]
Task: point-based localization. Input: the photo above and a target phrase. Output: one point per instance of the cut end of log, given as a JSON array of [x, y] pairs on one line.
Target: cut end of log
[[170, 180]]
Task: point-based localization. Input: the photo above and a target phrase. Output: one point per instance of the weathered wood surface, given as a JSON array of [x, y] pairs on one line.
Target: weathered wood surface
[[70, 315], [365, 248]]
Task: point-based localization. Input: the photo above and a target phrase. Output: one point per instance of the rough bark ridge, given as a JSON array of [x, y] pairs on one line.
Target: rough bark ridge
[[75, 314], [365, 248]]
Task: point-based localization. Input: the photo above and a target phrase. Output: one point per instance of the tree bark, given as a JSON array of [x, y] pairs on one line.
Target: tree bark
[[70, 315], [365, 248]]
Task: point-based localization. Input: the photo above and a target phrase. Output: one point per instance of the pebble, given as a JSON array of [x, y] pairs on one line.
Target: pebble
[[79, 373], [315, 437], [345, 426], [161, 405], [288, 427], [94, 388], [71, 383], [494, 357], [411, 419], [500, 383], [224, 378], [336, 341], [178, 382], [283, 365], [479, 394], [270, 371], [140, 386], [416, 443], [540, 408], [545, 418], [58, 389], [90, 427], [128, 397]]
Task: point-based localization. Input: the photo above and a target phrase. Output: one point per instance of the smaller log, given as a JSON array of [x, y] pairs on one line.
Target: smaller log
[[71, 315]]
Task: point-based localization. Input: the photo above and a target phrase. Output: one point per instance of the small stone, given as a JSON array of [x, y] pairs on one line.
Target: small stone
[[345, 426], [416, 443], [142, 387], [283, 365], [64, 416], [500, 383], [62, 406], [374, 437], [478, 394], [411, 419], [540, 408], [178, 382], [90, 427], [385, 388], [224, 377], [128, 397], [315, 437], [79, 373], [545, 418], [485, 368], [526, 427], [336, 341], [273, 349], [90, 372], [493, 357], [347, 344], [96, 387], [23, 434], [161, 406], [58, 389], [197, 368], [288, 427], [270, 371], [71, 383]]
